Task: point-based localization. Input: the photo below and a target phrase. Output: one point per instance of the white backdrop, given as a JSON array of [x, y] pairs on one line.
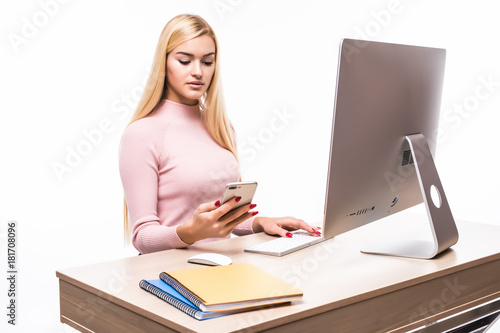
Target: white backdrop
[[72, 72]]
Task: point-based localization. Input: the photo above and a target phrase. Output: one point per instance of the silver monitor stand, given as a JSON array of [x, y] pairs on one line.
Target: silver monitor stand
[[442, 224]]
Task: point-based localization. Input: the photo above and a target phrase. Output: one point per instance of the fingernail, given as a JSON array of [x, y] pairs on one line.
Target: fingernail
[[217, 203], [252, 206], [318, 233], [237, 199], [289, 235], [255, 213]]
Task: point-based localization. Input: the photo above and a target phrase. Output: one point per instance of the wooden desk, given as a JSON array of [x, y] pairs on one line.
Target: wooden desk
[[344, 290]]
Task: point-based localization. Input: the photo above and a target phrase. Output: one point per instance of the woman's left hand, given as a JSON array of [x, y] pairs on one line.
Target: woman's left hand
[[282, 226]]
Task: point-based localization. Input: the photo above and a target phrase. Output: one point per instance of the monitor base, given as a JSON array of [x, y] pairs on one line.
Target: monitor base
[[400, 247]]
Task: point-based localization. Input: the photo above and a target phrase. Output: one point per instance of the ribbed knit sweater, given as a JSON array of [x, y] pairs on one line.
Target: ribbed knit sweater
[[169, 165]]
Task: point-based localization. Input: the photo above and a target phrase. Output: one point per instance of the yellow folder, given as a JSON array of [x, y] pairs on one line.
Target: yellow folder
[[232, 286]]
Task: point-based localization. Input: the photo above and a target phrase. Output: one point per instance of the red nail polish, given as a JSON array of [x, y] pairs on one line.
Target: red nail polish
[[318, 233], [255, 213], [289, 235], [252, 206], [237, 199], [217, 203]]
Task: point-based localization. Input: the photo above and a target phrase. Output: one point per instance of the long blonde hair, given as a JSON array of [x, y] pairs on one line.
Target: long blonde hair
[[177, 31]]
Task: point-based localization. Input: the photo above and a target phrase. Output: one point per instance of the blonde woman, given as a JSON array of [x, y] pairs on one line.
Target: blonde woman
[[179, 151]]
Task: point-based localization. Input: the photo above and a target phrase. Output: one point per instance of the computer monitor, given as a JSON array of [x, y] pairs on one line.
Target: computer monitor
[[384, 134]]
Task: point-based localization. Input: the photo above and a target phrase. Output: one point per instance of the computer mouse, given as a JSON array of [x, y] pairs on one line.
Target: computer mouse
[[211, 259]]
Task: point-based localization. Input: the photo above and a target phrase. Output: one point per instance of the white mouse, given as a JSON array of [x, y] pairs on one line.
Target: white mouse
[[211, 259]]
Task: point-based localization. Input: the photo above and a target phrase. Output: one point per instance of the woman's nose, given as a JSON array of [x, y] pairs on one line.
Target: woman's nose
[[196, 69]]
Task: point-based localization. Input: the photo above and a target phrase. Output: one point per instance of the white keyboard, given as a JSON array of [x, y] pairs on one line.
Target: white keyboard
[[282, 246]]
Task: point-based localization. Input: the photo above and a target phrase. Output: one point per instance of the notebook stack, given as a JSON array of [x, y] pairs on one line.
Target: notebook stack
[[209, 292]]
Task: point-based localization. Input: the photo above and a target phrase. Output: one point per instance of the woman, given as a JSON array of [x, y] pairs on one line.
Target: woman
[[179, 151]]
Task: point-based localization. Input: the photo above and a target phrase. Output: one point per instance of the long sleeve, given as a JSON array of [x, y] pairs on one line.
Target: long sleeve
[[139, 161], [244, 228]]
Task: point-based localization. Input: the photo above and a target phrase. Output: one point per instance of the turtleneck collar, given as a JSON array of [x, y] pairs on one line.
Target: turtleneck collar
[[179, 109]]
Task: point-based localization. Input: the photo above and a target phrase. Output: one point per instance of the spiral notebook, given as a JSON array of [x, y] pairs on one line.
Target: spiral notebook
[[237, 286], [165, 292]]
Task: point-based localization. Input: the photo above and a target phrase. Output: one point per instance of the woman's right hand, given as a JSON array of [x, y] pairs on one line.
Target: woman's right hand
[[213, 220]]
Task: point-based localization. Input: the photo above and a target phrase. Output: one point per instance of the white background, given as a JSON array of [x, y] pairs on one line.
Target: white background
[[69, 67]]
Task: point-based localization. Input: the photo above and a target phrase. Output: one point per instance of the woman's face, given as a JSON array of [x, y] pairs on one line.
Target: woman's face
[[190, 67]]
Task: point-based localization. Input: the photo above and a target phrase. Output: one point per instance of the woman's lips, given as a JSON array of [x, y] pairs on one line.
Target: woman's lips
[[195, 84]]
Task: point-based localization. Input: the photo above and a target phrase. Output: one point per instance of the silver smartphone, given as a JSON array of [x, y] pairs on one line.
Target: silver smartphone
[[245, 190]]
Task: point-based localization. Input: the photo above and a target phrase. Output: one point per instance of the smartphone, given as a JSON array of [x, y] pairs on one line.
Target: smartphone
[[245, 190]]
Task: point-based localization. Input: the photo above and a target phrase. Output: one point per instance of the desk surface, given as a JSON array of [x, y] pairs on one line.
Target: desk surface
[[342, 287]]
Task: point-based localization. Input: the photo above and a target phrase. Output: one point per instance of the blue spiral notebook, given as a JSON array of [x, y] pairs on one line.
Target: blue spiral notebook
[[165, 292]]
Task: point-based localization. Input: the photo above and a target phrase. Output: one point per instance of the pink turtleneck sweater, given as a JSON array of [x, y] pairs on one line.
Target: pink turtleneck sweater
[[169, 165]]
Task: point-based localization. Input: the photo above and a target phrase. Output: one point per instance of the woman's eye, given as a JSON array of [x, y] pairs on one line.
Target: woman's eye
[[208, 63], [184, 62]]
